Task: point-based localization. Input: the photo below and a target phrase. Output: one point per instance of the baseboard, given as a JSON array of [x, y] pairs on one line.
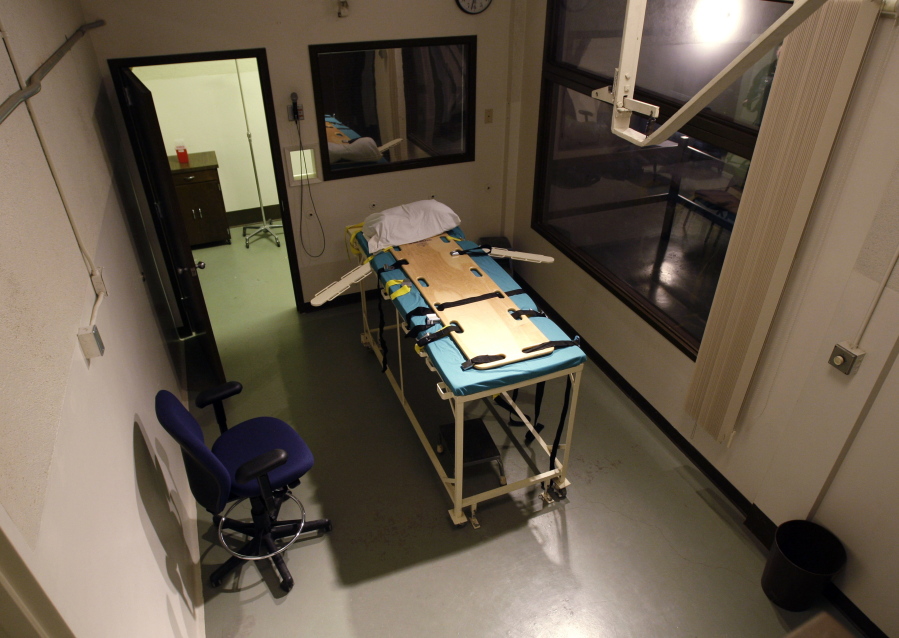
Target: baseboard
[[756, 522], [246, 216], [760, 525], [852, 613]]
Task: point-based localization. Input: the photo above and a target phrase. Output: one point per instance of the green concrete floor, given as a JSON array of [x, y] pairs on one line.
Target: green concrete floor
[[645, 546]]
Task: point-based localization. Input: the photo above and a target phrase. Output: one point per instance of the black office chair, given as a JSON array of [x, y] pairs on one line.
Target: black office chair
[[259, 459]]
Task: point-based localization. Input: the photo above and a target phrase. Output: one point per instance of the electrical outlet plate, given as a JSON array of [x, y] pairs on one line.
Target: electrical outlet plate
[[845, 358]]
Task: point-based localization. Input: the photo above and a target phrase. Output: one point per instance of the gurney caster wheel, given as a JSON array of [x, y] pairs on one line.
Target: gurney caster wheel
[[440, 448], [556, 493], [278, 243]]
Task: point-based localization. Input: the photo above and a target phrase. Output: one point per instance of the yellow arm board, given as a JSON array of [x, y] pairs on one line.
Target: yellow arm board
[[487, 326]]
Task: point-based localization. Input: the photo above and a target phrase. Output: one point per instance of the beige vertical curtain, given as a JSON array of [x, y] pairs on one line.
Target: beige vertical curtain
[[818, 65]]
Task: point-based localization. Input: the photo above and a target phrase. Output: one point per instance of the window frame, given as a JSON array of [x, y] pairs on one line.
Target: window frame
[[706, 126], [328, 172]]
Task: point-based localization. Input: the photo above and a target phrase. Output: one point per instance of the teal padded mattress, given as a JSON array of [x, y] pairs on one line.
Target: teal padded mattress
[[444, 353]]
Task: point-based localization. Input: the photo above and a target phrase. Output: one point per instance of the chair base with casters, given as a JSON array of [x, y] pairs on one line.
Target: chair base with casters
[[259, 460], [262, 535]]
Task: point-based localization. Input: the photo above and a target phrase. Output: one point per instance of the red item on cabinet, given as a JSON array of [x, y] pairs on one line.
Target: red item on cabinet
[[181, 152]]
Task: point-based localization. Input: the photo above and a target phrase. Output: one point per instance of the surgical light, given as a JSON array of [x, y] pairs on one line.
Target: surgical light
[[716, 21]]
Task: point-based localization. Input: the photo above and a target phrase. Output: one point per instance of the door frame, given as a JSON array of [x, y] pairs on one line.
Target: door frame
[[117, 64]]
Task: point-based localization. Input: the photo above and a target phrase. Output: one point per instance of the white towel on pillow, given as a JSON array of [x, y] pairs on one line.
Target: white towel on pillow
[[408, 223]]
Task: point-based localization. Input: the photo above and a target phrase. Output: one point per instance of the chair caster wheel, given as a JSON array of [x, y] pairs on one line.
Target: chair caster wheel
[[248, 243]]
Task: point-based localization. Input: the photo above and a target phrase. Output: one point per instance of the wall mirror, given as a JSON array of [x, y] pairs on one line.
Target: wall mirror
[[394, 105]]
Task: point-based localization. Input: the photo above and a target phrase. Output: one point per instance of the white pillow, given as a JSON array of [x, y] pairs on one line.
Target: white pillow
[[408, 223], [363, 149]]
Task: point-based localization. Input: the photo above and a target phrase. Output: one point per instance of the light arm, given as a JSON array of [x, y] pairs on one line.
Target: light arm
[[619, 94]]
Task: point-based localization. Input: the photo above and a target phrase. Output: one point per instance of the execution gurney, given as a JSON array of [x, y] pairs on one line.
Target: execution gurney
[[482, 335]]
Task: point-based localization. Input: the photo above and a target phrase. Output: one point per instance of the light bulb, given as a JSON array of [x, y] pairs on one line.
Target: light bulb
[[716, 21]]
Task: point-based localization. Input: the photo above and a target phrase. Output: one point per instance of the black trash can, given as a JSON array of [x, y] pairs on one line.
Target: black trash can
[[804, 558]]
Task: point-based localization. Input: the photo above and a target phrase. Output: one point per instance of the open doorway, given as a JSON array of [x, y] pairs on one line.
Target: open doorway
[[207, 150]]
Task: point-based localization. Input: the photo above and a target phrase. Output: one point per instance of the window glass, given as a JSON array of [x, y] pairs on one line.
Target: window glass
[[654, 222], [685, 44]]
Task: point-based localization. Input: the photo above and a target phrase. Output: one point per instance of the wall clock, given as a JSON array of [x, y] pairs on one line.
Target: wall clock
[[473, 6]]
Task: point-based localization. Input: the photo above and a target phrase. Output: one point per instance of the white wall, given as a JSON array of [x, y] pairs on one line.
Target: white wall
[[92, 495], [866, 519], [200, 103], [800, 411], [286, 29]]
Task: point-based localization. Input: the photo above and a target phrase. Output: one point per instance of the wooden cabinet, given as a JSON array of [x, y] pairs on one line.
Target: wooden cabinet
[[200, 198]]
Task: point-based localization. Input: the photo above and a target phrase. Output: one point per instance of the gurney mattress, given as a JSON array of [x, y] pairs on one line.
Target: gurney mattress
[[447, 357]]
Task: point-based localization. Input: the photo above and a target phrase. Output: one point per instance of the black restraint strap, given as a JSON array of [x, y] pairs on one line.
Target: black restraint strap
[[421, 311], [467, 300], [501, 402], [481, 359], [517, 291], [414, 331], [552, 344], [440, 334], [513, 417], [558, 439], [538, 401], [393, 266], [382, 342], [483, 249], [518, 314]]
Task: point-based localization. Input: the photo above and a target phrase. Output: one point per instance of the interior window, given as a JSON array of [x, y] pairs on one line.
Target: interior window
[[652, 224]]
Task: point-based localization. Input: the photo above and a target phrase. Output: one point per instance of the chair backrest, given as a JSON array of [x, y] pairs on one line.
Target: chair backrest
[[209, 481]]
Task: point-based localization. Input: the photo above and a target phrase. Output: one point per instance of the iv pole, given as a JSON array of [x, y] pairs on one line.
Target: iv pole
[[265, 227]]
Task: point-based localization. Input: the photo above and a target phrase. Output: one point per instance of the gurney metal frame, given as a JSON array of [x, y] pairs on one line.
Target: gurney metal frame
[[556, 479]]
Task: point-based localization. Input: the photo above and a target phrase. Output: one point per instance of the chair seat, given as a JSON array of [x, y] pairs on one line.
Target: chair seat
[[249, 439]]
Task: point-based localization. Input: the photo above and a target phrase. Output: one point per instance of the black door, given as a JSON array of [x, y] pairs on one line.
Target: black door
[[204, 365]]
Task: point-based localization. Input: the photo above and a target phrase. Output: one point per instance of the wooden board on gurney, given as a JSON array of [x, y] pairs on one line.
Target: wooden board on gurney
[[360, 272], [487, 325]]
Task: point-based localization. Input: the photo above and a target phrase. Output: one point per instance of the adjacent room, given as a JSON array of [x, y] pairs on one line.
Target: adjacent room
[[362, 319]]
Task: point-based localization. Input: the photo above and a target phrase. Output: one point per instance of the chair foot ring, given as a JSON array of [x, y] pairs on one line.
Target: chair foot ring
[[274, 553]]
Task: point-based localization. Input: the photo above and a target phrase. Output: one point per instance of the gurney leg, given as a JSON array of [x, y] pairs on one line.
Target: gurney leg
[[459, 414]]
